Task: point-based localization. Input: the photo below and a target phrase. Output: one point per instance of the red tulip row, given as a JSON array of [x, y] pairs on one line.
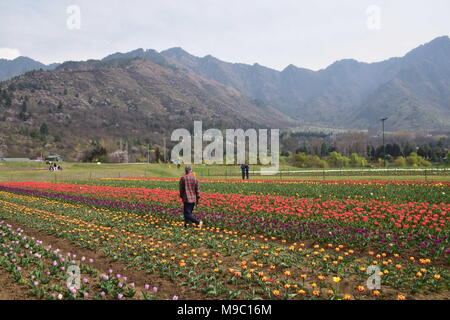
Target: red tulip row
[[373, 214]]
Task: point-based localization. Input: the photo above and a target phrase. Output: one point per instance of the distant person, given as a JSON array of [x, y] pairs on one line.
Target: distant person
[[190, 194], [245, 171]]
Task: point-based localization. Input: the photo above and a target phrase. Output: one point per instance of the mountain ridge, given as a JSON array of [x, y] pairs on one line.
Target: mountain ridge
[[21, 65], [342, 95]]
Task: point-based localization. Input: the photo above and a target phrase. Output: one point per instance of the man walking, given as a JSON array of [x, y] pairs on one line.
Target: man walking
[[190, 194]]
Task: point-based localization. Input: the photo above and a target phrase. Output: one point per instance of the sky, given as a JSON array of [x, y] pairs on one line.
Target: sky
[[273, 33]]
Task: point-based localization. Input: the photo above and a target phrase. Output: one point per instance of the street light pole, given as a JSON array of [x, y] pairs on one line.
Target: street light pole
[[384, 145], [165, 161]]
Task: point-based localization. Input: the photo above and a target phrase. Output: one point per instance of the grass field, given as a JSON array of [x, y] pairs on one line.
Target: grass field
[[35, 171], [305, 235]]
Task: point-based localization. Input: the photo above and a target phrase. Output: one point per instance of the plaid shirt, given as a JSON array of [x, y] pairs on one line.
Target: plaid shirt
[[189, 189]]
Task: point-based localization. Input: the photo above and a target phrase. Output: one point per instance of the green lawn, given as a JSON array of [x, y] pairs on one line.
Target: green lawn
[[34, 171]]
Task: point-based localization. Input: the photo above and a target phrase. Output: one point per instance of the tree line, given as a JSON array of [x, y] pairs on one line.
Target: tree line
[[361, 149]]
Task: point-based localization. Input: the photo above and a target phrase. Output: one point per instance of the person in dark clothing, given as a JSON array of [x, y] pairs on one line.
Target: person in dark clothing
[[245, 171], [190, 194]]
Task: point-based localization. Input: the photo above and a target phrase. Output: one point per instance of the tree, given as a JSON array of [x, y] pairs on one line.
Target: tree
[[371, 152], [97, 154], [302, 149], [408, 148], [337, 160], [315, 162], [44, 129], [393, 150], [300, 160], [118, 156], [7, 99], [324, 150], [357, 161], [400, 162], [414, 160], [23, 115]]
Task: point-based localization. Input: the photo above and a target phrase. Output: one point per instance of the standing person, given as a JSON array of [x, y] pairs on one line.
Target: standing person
[[243, 171], [247, 168], [190, 194]]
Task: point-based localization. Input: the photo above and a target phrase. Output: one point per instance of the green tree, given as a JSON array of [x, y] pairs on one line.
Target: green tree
[[315, 162], [337, 160], [323, 150], [23, 115], [44, 129], [414, 160], [300, 160], [356, 161], [400, 162]]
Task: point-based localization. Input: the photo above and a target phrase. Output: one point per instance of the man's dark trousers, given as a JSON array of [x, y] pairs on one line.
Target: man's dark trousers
[[187, 211]]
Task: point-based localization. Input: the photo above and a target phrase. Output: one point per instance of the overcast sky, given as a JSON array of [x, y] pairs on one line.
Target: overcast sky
[[274, 33]]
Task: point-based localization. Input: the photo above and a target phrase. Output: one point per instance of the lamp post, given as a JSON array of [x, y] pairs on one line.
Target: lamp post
[[384, 145]]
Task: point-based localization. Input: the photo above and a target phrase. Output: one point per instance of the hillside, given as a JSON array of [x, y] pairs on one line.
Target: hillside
[[139, 97], [131, 99], [413, 90]]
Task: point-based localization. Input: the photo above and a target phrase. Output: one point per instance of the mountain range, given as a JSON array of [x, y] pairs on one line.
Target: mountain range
[[413, 91], [148, 93], [20, 65]]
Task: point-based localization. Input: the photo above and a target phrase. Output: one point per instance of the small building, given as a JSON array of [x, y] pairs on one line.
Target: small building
[[54, 158]]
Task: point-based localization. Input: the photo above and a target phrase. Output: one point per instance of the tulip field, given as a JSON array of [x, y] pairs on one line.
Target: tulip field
[[261, 239]]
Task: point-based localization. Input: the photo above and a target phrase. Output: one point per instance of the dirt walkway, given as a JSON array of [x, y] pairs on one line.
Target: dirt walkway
[[11, 290]]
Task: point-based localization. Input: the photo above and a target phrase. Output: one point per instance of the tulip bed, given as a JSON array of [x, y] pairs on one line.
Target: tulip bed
[[393, 191], [44, 270], [392, 227], [253, 246]]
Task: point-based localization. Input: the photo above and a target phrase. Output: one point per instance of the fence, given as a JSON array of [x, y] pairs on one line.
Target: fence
[[425, 173], [235, 173]]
